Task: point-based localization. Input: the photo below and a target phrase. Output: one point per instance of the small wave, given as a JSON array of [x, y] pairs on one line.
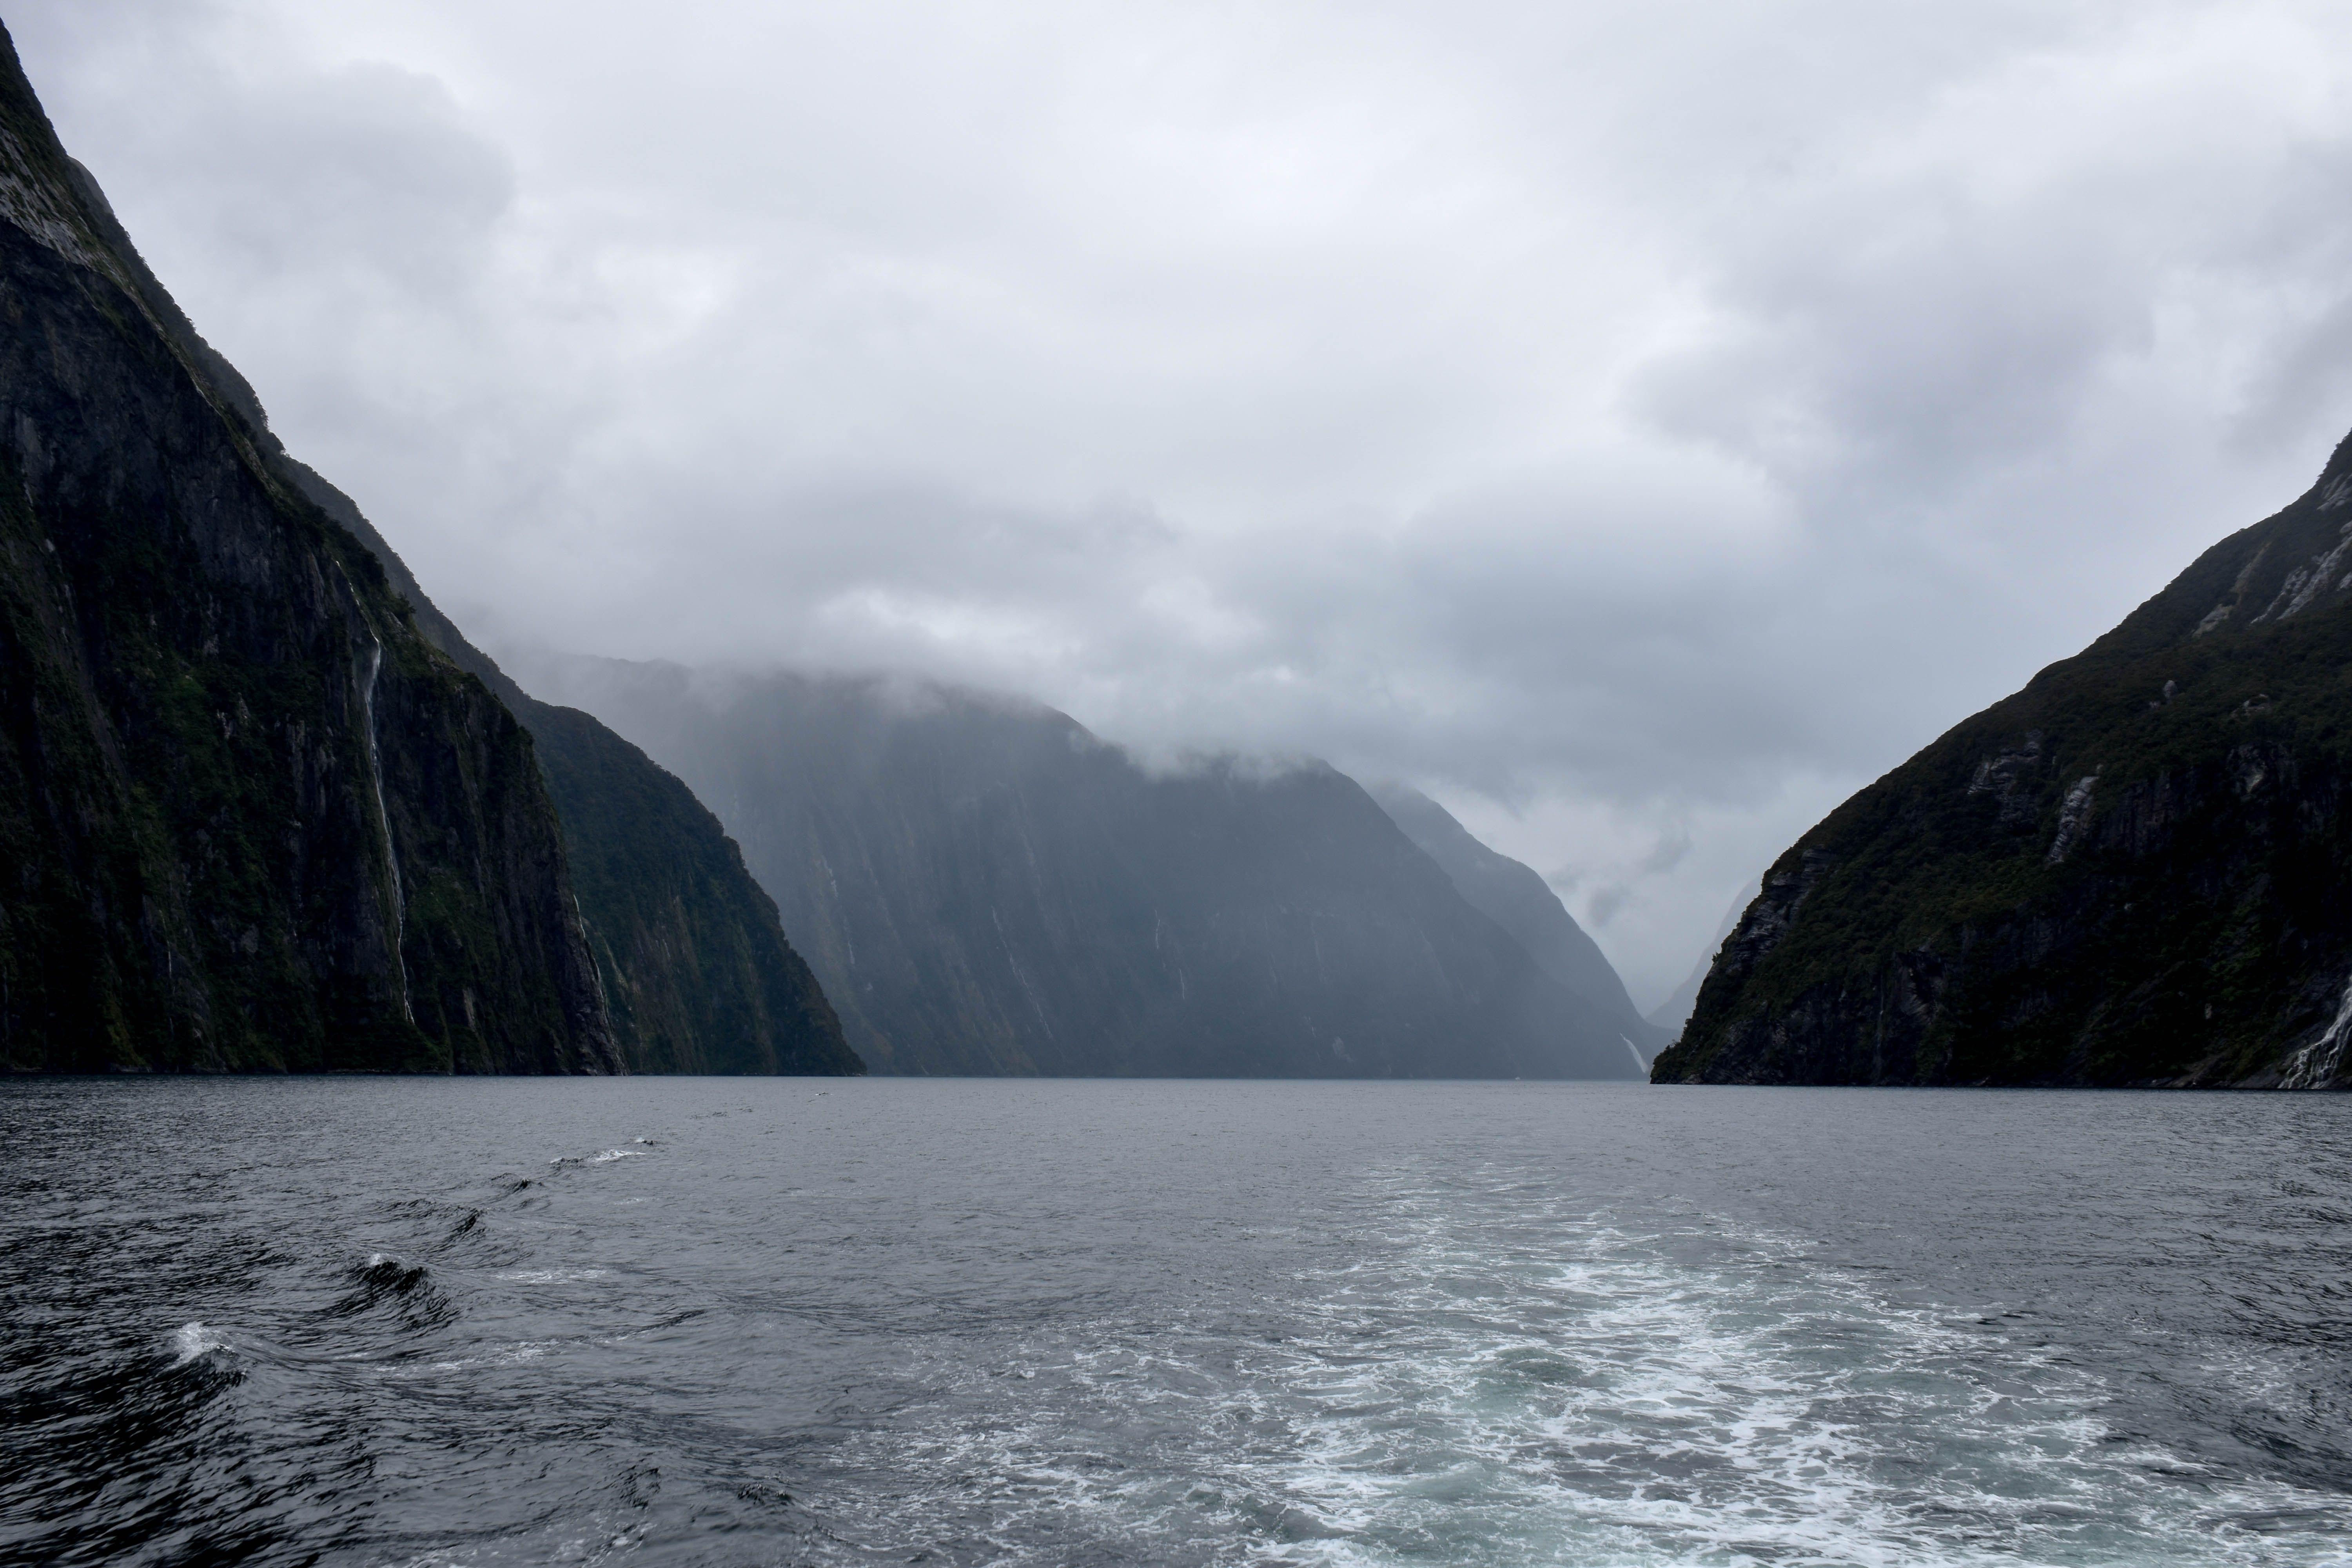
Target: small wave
[[611, 1154], [386, 1275], [552, 1275], [387, 1282], [193, 1340]]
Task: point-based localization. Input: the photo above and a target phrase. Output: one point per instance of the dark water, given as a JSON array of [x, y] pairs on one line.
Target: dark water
[[664, 1321]]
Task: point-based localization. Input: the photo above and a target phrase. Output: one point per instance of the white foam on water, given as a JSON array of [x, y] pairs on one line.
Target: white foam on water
[[1520, 1384], [609, 1155], [506, 1355], [191, 1341], [1699, 1394], [552, 1276]]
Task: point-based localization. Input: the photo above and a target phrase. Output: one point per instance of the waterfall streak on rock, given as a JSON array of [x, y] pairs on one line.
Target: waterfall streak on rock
[[2318, 1062], [2072, 815], [383, 820]]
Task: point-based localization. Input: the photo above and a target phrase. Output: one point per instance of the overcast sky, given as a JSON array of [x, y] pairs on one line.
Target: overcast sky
[[1641, 424]]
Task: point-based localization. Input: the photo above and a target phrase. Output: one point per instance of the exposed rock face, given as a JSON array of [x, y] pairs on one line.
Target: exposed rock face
[[696, 972], [1514, 897], [248, 817], [2136, 870], [691, 950], [983, 886]]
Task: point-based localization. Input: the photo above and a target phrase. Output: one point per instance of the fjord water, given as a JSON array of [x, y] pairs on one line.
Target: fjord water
[[435, 1321]]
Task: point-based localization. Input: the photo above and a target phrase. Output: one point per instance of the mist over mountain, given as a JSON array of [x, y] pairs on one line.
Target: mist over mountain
[[695, 972], [984, 887], [1515, 897], [2136, 870], [1661, 419], [264, 807], [1671, 1014]]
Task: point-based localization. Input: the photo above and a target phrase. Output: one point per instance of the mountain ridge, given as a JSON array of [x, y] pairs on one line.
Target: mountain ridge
[[2129, 872], [983, 885], [1516, 897]]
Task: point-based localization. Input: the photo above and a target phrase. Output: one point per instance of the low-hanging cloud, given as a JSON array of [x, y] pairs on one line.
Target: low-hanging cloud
[[1638, 426]]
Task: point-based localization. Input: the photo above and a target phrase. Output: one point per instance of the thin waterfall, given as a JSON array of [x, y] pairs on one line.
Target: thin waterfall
[[383, 820]]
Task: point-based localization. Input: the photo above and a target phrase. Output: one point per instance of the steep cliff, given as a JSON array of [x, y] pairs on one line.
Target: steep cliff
[[2137, 870], [248, 817], [695, 964], [983, 886], [1515, 897], [1671, 1014]]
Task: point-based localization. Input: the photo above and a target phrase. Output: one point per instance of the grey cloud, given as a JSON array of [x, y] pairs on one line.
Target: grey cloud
[[1670, 850], [1637, 425]]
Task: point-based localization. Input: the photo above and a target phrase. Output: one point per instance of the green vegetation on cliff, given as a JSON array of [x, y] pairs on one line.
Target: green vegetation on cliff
[[248, 817], [2136, 870]]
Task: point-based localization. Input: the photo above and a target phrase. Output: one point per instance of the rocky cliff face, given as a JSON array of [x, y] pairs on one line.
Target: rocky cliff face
[[696, 969], [983, 886], [248, 817], [2137, 870], [263, 805]]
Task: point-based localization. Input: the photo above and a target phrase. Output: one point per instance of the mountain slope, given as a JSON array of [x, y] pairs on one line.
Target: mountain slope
[[2136, 870], [248, 817], [983, 886], [693, 959], [1672, 1013], [1515, 897]]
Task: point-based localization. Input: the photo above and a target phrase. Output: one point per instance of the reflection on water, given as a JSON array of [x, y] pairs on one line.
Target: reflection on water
[[674, 1321]]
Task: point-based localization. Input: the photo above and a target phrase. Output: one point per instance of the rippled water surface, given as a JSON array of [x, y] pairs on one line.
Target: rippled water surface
[[754, 1322]]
